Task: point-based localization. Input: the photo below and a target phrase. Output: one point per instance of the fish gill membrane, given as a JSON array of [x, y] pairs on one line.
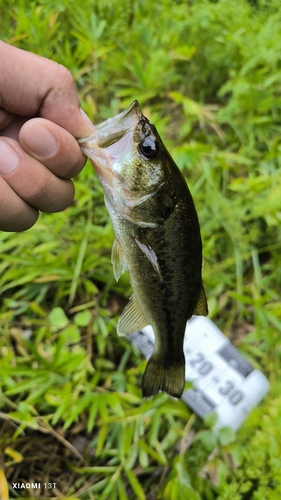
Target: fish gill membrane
[[157, 239]]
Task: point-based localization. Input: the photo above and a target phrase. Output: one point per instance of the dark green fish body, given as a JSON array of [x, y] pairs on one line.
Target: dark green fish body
[[157, 239]]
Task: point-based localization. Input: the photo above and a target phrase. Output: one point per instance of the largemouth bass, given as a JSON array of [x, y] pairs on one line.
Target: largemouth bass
[[157, 239]]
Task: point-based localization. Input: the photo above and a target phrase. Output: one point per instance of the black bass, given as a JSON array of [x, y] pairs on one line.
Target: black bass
[[157, 239]]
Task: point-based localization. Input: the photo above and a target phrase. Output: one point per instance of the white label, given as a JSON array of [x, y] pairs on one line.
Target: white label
[[223, 381]]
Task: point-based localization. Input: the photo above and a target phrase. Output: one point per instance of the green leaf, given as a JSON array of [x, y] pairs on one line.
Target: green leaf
[[226, 435], [83, 318], [70, 334], [57, 319], [135, 485], [211, 419], [208, 439]]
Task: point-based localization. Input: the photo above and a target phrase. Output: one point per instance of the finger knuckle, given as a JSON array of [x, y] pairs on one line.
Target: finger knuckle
[[15, 214], [53, 195], [64, 77]]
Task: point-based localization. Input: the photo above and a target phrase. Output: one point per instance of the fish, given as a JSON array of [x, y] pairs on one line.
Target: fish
[[157, 239]]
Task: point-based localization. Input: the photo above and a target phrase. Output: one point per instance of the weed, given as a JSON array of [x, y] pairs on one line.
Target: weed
[[208, 75]]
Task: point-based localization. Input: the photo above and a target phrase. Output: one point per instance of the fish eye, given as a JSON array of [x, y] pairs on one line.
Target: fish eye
[[149, 147]]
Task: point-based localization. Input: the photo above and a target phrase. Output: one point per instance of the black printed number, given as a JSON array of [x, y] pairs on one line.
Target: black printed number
[[234, 395], [226, 388], [199, 358], [204, 367], [201, 364]]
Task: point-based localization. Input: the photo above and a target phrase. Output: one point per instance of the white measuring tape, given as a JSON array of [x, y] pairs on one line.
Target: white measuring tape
[[223, 381]]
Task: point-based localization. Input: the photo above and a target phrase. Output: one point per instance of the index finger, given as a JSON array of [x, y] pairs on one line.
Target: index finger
[[31, 85]]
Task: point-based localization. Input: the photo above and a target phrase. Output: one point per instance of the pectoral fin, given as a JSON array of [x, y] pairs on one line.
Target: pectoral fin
[[118, 260], [131, 319], [148, 251], [201, 308]]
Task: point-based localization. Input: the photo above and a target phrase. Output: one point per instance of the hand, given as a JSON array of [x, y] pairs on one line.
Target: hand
[[40, 117]]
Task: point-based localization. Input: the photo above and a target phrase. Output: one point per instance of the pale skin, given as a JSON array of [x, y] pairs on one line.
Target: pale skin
[[40, 119]]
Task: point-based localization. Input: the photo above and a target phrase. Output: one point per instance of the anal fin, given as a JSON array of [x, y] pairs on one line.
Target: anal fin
[[131, 319]]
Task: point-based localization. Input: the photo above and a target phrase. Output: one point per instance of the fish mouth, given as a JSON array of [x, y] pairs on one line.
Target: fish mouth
[[111, 130], [111, 138], [119, 124]]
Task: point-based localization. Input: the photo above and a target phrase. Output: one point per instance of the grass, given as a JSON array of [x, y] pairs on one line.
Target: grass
[[208, 75]]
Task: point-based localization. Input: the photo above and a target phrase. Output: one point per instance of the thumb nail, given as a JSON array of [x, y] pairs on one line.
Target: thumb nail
[[39, 139], [87, 121]]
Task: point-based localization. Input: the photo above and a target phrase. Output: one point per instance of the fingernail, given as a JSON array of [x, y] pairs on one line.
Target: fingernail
[[87, 121], [9, 158], [39, 140]]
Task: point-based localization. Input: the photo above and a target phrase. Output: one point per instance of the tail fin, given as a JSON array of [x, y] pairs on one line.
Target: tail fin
[[158, 378]]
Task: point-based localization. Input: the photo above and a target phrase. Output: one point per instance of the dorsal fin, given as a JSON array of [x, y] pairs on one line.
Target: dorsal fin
[[201, 308], [131, 319]]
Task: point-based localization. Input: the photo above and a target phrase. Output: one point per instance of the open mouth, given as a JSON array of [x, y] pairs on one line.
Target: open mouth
[[110, 140], [111, 130]]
